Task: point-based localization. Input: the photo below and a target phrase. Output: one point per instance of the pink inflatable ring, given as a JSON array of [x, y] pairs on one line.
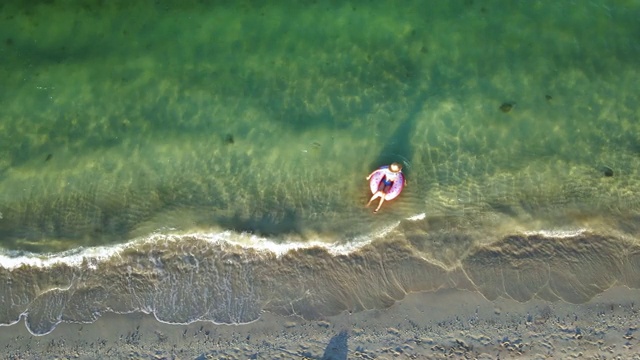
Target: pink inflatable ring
[[396, 188]]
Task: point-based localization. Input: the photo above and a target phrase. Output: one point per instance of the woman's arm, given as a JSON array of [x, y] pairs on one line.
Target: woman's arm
[[374, 171]]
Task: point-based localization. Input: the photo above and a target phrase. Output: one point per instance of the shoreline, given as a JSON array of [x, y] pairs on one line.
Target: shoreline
[[442, 324], [194, 280]]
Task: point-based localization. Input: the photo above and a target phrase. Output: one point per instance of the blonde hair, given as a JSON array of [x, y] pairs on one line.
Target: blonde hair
[[398, 165]]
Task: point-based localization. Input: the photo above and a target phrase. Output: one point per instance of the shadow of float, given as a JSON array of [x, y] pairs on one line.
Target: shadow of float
[[398, 146]]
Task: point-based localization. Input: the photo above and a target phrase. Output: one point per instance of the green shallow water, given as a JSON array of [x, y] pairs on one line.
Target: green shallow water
[[121, 119]]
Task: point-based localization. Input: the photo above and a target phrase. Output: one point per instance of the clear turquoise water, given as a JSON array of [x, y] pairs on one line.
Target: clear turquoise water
[[123, 119]]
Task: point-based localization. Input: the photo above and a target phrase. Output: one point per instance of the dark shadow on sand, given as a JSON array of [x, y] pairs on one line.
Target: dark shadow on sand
[[337, 348]]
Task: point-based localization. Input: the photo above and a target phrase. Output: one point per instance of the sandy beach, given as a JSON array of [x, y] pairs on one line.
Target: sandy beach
[[447, 324]]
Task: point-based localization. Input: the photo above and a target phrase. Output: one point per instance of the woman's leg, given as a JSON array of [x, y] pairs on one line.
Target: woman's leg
[[383, 194], [376, 195], [379, 204], [380, 193]]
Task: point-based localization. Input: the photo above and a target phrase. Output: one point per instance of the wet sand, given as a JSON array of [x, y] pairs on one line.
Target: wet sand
[[442, 324], [185, 279]]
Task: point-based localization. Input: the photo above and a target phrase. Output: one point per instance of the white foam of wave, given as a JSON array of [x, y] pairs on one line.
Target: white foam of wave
[[252, 241], [420, 216], [75, 257], [264, 244], [557, 234], [93, 255], [334, 248]]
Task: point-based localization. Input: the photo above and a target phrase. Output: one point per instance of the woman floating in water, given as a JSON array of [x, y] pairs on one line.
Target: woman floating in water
[[386, 183]]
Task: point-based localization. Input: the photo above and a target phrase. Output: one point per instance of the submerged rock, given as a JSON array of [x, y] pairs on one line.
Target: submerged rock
[[506, 107]]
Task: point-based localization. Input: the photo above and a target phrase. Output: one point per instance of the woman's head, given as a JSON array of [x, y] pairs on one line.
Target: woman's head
[[395, 167]]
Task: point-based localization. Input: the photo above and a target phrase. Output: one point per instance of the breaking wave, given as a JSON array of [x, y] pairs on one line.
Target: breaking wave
[[231, 278]]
